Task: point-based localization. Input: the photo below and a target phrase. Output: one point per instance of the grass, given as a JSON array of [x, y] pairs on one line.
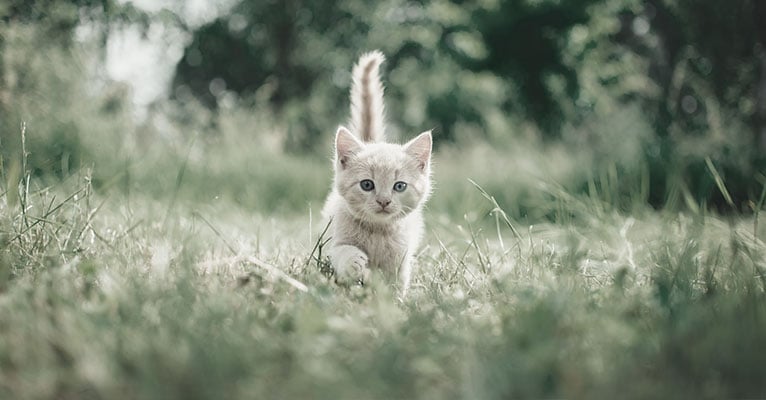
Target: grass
[[198, 292], [177, 261]]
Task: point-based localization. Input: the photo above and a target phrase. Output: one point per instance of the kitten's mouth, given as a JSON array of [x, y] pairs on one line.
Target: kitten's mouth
[[384, 212]]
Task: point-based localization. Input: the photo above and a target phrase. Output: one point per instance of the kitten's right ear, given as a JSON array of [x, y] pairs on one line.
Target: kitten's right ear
[[346, 145]]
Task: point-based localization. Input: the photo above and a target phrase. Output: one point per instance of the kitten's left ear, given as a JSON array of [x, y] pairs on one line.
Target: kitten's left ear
[[420, 148]]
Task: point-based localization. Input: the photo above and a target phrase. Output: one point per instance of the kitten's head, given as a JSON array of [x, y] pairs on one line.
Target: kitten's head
[[382, 182]]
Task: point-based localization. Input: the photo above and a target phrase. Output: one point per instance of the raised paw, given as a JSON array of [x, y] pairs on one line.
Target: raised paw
[[350, 265]]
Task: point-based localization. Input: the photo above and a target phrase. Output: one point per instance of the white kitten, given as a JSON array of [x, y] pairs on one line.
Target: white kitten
[[379, 188]]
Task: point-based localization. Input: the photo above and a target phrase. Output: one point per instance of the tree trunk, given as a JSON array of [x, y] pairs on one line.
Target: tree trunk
[[760, 92], [4, 89], [760, 101]]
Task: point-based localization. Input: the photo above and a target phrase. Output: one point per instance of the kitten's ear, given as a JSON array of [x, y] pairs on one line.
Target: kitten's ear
[[420, 148], [346, 145]]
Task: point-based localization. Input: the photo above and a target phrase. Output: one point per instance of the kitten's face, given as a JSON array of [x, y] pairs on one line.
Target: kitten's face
[[382, 182]]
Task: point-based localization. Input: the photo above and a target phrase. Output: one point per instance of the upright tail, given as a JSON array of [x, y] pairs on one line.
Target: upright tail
[[367, 108]]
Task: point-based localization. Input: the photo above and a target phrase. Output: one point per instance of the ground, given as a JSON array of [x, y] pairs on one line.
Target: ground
[[206, 292]]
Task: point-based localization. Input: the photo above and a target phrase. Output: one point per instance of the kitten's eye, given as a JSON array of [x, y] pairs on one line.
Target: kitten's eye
[[400, 186], [367, 185]]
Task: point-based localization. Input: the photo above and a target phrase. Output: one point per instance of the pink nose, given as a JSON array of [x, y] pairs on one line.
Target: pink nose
[[383, 203]]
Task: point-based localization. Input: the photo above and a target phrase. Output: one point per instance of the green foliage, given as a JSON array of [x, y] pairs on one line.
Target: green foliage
[[303, 63], [101, 298], [173, 258], [696, 90], [58, 19], [50, 82], [476, 70], [53, 144], [523, 42], [548, 66]]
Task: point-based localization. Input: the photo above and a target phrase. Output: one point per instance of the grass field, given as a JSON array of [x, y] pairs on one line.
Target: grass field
[[193, 274]]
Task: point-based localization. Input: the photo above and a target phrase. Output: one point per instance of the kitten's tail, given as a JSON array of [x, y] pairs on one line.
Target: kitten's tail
[[367, 108]]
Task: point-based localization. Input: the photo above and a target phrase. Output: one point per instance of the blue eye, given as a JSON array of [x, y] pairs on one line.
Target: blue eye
[[367, 185], [400, 186]]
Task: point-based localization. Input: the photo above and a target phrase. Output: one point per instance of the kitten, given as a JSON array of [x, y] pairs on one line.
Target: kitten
[[379, 188]]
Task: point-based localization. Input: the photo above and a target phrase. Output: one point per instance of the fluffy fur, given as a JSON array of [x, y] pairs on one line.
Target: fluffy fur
[[379, 188]]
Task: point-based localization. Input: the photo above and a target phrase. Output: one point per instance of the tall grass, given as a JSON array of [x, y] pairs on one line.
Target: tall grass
[[105, 296], [165, 267]]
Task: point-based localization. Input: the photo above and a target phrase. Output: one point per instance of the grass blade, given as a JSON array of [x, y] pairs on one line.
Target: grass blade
[[719, 182]]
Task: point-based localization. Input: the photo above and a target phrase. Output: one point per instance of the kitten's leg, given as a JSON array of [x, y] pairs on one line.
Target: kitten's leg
[[405, 271], [349, 263]]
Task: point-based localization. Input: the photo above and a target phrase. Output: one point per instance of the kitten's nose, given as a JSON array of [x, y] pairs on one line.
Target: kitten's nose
[[383, 202]]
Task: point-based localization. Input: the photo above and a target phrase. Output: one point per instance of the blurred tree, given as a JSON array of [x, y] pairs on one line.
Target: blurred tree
[[56, 20], [697, 68], [53, 25], [254, 45], [707, 60], [262, 47], [524, 43], [298, 56], [37, 61]]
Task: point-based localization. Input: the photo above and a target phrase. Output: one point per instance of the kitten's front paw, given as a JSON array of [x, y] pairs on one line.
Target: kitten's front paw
[[350, 265]]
